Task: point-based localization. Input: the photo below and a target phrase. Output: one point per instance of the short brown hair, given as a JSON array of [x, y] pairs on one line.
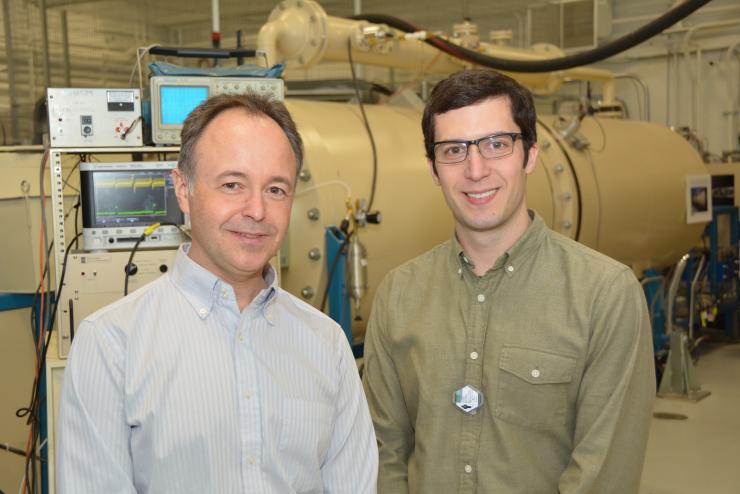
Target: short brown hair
[[473, 86], [253, 104]]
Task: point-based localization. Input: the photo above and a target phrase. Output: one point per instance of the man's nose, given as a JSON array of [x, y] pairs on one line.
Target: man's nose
[[254, 206], [476, 166]]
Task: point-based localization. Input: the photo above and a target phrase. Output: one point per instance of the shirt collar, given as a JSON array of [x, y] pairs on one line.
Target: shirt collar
[[202, 289], [512, 258]]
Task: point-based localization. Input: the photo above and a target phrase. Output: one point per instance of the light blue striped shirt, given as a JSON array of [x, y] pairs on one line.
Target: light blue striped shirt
[[174, 390]]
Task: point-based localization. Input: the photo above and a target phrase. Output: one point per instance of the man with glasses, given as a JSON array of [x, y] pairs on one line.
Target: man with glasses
[[509, 359]]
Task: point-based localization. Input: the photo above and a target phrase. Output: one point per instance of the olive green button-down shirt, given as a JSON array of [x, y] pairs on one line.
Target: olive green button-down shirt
[[557, 338]]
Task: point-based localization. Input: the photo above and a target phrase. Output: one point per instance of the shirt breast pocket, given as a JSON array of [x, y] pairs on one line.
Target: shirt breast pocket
[[533, 387]]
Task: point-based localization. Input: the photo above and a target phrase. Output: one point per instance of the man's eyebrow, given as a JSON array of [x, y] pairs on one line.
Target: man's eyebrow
[[231, 173], [282, 179]]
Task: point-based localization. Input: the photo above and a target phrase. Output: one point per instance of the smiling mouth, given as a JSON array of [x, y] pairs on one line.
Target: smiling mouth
[[249, 236], [481, 195]]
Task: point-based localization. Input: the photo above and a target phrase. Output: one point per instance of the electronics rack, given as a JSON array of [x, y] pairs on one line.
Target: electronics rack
[[57, 198]]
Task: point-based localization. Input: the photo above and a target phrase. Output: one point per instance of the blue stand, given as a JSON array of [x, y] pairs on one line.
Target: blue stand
[[339, 298], [722, 270], [339, 308], [657, 311]]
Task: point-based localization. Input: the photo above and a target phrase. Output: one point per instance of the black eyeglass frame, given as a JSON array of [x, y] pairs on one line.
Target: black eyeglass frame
[[514, 136]]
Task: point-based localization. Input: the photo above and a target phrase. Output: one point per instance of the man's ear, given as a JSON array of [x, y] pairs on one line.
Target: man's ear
[[433, 171], [181, 190], [531, 163]]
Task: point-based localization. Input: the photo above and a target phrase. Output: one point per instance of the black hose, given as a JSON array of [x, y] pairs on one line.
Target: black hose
[[677, 13]]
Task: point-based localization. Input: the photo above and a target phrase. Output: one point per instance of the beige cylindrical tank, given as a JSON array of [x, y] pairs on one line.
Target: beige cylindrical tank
[[338, 152], [623, 195]]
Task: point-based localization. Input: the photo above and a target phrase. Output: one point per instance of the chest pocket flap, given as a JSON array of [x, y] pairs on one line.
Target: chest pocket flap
[[537, 366]]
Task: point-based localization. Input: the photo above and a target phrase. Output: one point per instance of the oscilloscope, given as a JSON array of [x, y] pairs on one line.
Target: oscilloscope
[[174, 97], [120, 200]]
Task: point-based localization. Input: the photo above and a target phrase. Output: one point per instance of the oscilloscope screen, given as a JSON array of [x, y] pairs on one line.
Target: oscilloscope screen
[[128, 198]]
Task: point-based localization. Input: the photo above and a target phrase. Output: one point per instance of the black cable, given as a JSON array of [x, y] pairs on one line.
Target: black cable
[[367, 126], [65, 182], [653, 28], [10, 449], [333, 268], [141, 238], [128, 266], [36, 296], [77, 213], [130, 128], [35, 406]]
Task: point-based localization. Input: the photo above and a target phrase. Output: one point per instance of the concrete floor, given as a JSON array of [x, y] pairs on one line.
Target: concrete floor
[[699, 455]]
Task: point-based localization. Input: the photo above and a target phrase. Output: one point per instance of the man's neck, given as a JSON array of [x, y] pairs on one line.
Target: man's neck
[[484, 248], [246, 290]]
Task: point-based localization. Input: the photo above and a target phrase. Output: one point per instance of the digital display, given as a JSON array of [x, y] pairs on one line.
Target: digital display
[[178, 101], [128, 198]]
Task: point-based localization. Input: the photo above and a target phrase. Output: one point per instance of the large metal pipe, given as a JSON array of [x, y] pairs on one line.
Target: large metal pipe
[[300, 32]]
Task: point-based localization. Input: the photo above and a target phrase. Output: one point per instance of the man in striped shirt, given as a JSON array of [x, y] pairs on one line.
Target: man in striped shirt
[[212, 379]]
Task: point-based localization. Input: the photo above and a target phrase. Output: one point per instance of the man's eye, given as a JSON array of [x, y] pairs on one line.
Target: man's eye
[[455, 150], [276, 191], [497, 145], [230, 186]]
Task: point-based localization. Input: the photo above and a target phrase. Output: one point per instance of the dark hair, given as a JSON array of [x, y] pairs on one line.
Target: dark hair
[[469, 87], [253, 104]]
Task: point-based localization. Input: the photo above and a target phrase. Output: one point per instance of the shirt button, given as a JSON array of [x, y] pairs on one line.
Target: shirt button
[[474, 355], [481, 298], [202, 312], [535, 373], [247, 395], [468, 469], [224, 293], [459, 271], [241, 337], [251, 460], [510, 268]]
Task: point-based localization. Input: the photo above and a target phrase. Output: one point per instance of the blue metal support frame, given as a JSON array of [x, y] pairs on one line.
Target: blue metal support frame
[[716, 265], [654, 298], [13, 301], [339, 307], [339, 298]]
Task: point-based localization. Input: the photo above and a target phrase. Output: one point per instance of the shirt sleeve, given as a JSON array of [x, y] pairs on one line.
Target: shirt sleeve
[[615, 400], [385, 398], [351, 464], [92, 451]]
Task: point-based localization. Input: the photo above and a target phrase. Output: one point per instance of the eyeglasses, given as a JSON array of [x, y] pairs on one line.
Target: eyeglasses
[[490, 147]]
